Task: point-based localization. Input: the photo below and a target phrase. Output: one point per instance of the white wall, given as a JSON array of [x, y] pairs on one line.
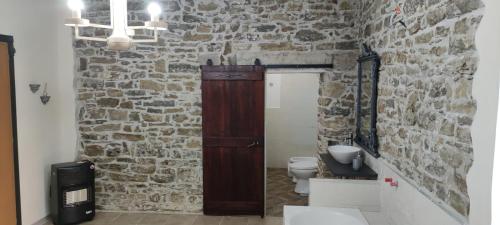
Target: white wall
[[495, 194], [291, 130], [46, 134], [485, 91], [65, 84]]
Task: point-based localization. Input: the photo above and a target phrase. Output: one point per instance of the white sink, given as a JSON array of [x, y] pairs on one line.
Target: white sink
[[343, 153]]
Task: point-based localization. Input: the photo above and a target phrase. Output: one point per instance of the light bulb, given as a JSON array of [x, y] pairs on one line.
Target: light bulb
[[154, 9], [75, 5]]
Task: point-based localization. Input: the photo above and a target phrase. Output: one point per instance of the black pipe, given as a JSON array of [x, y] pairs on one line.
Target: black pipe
[[299, 66]]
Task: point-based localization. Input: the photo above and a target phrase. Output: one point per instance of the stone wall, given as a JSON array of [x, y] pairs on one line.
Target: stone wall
[[425, 101], [139, 111]]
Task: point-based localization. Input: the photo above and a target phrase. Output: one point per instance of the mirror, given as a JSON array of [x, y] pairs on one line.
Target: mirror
[[365, 98], [366, 102]]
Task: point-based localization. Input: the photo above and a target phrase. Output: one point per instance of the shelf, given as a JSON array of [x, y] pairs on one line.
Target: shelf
[[345, 171]]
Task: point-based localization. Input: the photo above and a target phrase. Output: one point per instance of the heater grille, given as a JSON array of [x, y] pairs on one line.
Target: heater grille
[[76, 197]]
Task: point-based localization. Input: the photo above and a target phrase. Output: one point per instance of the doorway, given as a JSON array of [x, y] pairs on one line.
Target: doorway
[[291, 131], [253, 123], [9, 190]]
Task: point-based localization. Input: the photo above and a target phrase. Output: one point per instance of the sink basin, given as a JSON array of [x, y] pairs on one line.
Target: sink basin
[[343, 153]]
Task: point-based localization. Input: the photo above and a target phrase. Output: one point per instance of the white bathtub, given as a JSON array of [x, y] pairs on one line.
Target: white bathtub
[[305, 215]]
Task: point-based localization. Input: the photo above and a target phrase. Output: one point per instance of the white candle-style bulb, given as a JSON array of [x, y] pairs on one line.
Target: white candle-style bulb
[[75, 5], [154, 10]]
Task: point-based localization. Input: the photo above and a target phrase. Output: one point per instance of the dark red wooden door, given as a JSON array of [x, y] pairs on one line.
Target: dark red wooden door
[[233, 140]]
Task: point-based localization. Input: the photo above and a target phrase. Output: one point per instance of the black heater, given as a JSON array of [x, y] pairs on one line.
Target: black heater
[[72, 197]]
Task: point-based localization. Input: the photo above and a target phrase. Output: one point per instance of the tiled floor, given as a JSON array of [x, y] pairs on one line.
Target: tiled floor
[[280, 192], [163, 219]]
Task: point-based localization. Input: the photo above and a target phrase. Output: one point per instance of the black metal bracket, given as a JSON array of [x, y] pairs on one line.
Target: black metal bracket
[[299, 66], [258, 62]]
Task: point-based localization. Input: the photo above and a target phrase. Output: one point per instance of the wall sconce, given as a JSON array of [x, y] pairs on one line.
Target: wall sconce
[[34, 87], [45, 96]]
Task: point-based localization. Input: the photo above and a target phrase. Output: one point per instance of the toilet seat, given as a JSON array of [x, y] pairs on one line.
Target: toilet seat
[[304, 165], [294, 160], [300, 159]]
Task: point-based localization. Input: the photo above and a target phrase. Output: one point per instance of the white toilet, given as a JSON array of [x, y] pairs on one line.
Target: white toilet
[[301, 169]]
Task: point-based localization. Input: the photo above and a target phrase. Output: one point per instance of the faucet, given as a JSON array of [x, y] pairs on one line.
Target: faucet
[[349, 139]]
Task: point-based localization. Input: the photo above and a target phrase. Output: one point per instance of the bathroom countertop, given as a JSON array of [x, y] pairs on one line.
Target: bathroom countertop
[[345, 171]]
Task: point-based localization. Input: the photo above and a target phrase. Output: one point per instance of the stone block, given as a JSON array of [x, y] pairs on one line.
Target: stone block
[[118, 115], [108, 102], [94, 150], [128, 137], [309, 35], [210, 6], [107, 127], [151, 85]]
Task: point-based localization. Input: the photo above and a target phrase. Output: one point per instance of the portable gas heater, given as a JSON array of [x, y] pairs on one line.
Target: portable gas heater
[[72, 192]]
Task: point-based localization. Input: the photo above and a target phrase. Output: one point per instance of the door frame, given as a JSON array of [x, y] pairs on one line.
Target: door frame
[[10, 42], [285, 71]]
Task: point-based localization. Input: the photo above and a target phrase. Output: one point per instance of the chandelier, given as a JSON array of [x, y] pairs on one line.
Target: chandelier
[[122, 35]]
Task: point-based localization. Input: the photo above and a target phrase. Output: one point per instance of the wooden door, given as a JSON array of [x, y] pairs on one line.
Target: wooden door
[[233, 140], [8, 209]]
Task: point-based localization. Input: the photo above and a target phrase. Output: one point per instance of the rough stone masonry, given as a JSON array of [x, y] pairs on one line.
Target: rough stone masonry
[[139, 111]]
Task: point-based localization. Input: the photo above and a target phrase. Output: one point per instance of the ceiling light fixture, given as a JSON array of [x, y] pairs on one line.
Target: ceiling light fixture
[[122, 36]]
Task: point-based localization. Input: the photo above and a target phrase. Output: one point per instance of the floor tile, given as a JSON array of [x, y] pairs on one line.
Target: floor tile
[[154, 219], [101, 218], [235, 220], [105, 217], [128, 219], [180, 220], [208, 220], [268, 220]]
